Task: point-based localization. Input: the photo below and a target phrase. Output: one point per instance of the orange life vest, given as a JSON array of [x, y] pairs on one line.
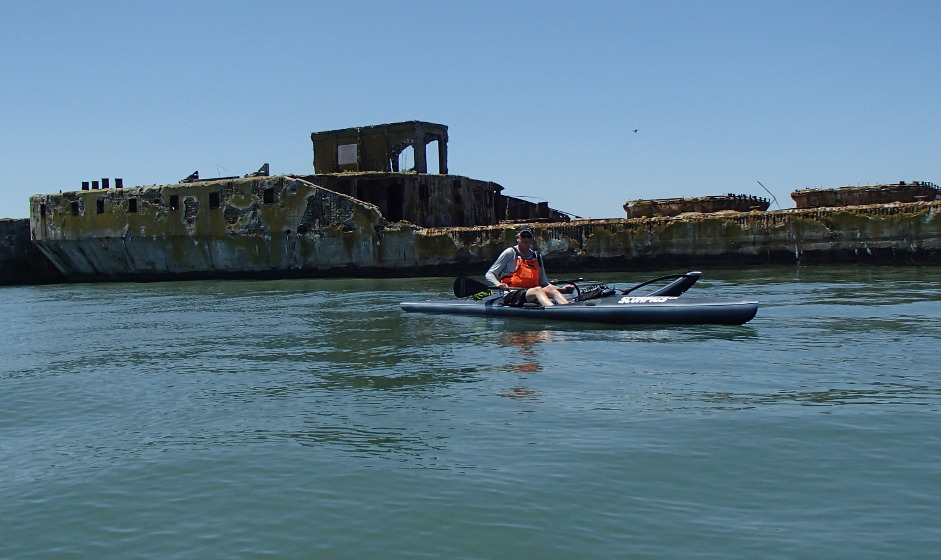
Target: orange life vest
[[526, 274]]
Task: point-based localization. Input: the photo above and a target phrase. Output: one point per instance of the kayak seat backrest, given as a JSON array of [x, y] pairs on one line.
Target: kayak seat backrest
[[678, 286]]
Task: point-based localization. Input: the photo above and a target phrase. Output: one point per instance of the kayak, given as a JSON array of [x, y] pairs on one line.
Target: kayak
[[645, 310], [600, 304]]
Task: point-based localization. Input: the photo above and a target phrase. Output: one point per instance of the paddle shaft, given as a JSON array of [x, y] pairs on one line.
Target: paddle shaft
[[466, 287]]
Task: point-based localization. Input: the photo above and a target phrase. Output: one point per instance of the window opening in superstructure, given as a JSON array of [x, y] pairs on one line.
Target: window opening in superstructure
[[408, 159], [132, 205], [174, 202], [100, 205], [214, 199], [269, 196]]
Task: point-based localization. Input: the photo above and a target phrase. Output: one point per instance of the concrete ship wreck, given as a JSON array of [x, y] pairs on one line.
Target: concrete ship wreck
[[360, 215]]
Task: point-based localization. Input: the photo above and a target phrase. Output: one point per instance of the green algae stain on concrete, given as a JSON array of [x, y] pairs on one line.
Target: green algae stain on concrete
[[437, 246], [607, 240], [709, 234], [242, 224]]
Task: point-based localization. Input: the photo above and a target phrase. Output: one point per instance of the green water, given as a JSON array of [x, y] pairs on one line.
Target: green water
[[314, 419]]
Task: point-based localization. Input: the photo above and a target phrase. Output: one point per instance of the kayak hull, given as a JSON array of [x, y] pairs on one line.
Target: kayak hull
[[644, 310]]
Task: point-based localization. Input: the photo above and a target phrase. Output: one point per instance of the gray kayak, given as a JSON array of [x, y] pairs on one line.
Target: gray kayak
[[627, 310], [665, 306]]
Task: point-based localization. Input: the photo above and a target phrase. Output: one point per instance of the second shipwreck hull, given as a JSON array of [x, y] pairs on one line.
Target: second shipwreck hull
[[897, 233]]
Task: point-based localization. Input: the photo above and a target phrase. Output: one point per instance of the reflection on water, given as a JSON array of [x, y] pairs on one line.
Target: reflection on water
[[520, 393], [916, 395], [526, 359]]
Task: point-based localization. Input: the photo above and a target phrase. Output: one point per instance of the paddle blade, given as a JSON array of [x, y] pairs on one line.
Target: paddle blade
[[466, 287]]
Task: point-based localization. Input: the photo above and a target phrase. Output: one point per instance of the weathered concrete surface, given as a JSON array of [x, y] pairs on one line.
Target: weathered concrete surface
[[258, 226], [877, 234], [20, 261], [286, 226], [377, 147], [916, 191], [241, 226], [701, 204], [432, 200]]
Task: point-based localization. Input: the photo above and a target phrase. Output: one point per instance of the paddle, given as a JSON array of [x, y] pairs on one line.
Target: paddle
[[560, 282], [466, 287]]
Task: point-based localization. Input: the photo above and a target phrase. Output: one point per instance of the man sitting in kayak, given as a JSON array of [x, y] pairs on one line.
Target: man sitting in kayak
[[521, 267]]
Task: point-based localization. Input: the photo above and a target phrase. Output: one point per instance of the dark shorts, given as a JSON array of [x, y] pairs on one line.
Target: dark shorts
[[516, 298]]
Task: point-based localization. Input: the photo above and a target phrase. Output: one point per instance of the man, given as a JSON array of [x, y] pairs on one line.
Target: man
[[521, 267]]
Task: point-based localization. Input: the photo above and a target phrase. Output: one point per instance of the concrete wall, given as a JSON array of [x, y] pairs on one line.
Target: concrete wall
[[420, 198], [20, 261], [878, 234], [232, 227], [917, 191], [377, 147], [435, 200], [888, 234], [704, 204]]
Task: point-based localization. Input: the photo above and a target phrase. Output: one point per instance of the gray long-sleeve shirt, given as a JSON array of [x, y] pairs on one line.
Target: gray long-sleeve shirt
[[506, 264]]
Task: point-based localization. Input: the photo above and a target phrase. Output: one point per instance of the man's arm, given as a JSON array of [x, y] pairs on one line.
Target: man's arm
[[499, 266]]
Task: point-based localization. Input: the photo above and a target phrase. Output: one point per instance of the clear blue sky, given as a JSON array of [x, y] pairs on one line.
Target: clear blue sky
[[541, 97]]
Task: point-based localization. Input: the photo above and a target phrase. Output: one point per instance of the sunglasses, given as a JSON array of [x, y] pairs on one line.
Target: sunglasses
[[526, 236]]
